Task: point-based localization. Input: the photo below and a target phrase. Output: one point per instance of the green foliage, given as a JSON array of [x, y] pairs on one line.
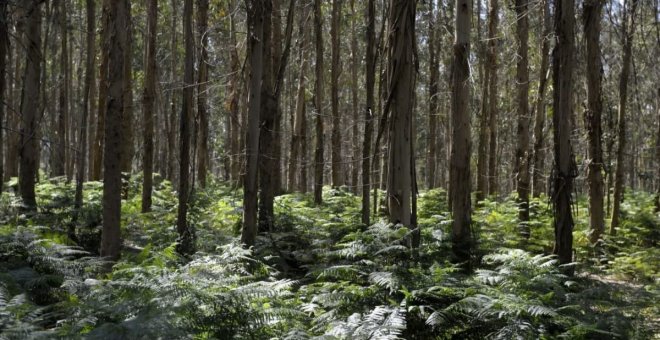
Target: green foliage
[[319, 273]]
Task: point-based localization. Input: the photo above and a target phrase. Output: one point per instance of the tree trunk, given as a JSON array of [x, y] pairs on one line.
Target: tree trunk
[[103, 93], [434, 69], [522, 82], [369, 109], [657, 158], [565, 169], [299, 137], [29, 107], [4, 49], [13, 122], [335, 32], [171, 133], [148, 105], [318, 103], [492, 96], [482, 149], [235, 94], [255, 48], [90, 8], [461, 141], [591, 19], [355, 164], [537, 170], [127, 122], [401, 92], [628, 30], [203, 77], [117, 21], [60, 155]]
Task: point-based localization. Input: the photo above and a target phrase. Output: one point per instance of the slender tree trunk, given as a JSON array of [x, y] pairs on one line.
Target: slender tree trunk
[[60, 154], [537, 170], [591, 19], [103, 96], [318, 104], [482, 150], [148, 107], [401, 92], [117, 21], [13, 137], [186, 240], [203, 149], [255, 48], [434, 69], [235, 94], [127, 121], [29, 106], [628, 31], [522, 82], [368, 112], [4, 51], [461, 141], [657, 158], [90, 8], [355, 164], [171, 133], [565, 169], [267, 125], [493, 99], [298, 138], [335, 32]]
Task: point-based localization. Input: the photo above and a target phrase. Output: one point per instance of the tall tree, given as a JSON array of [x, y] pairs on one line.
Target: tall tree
[[539, 107], [148, 107], [355, 164], [657, 158], [29, 106], [4, 51], [234, 90], [318, 103], [493, 100], [97, 164], [484, 119], [88, 88], [117, 21], [591, 19], [434, 70], [127, 121], [255, 17], [202, 77], [461, 140], [369, 109], [401, 93], [335, 32], [565, 169], [627, 32], [522, 83], [186, 241], [60, 155]]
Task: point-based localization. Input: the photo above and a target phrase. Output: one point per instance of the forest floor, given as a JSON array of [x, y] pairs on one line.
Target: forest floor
[[320, 273]]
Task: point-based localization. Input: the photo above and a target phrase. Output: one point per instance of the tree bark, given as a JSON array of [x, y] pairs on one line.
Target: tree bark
[[318, 103], [235, 94], [493, 41], [148, 105], [461, 141], [127, 121], [657, 158], [434, 70], [117, 21], [60, 155], [591, 19], [90, 8], [103, 93], [203, 77], [628, 31], [4, 51], [565, 169], [29, 106], [401, 92], [355, 164], [522, 82], [186, 240], [171, 133], [335, 32], [255, 48], [484, 119], [538, 158], [369, 109]]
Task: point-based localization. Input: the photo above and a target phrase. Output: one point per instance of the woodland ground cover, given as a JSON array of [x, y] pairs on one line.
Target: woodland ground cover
[[319, 274]]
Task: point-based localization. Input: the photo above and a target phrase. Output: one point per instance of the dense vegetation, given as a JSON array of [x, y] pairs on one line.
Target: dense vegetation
[[319, 272]]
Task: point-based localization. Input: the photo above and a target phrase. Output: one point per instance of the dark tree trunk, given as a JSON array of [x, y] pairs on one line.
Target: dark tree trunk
[[202, 112], [522, 82], [318, 103], [369, 109], [148, 104], [539, 156], [4, 49]]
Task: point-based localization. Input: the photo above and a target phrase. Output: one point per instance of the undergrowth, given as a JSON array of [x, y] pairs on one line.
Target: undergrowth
[[319, 274]]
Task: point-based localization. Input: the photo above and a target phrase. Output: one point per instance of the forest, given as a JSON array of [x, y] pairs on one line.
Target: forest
[[329, 169]]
